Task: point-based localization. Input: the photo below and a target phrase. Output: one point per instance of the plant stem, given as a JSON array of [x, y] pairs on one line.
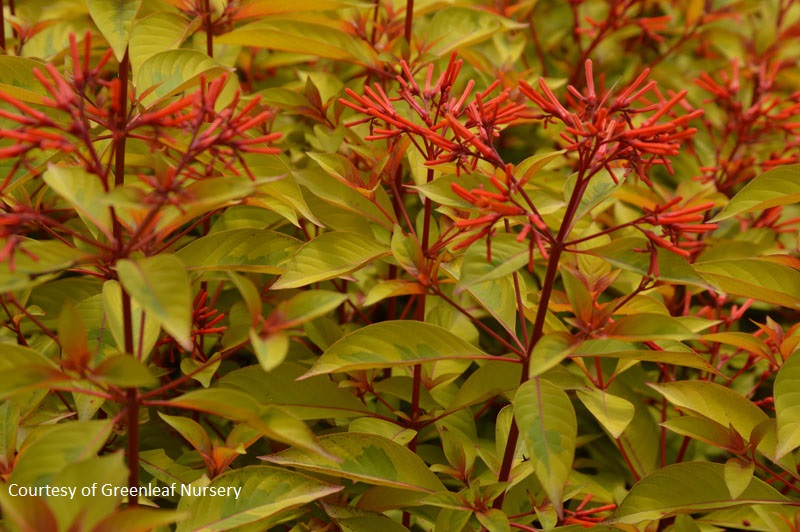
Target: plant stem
[[131, 394], [556, 250]]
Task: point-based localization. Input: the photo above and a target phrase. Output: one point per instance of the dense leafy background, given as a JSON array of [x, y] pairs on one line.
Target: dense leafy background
[[497, 265]]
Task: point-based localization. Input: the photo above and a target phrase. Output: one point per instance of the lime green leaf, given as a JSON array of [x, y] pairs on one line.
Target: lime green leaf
[[125, 371], [27, 513], [508, 256], [645, 327], [312, 398], [705, 430], [779, 186], [242, 250], [249, 496], [614, 413], [52, 256], [715, 402], [157, 32], [787, 405], [746, 341], [17, 79], [82, 191], [762, 280], [23, 369], [9, 423], [457, 27], [88, 509], [306, 306], [160, 285], [494, 520], [351, 519], [190, 429], [146, 329], [738, 474], [300, 37], [272, 421], [139, 519], [271, 350], [392, 288], [621, 253], [202, 372], [163, 468], [328, 256], [687, 487], [72, 337], [549, 351], [366, 458], [392, 343], [549, 428], [172, 71], [608, 348], [114, 19], [49, 449]]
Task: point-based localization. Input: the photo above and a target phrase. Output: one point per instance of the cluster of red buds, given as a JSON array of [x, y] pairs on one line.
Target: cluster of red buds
[[448, 129], [753, 113], [676, 225], [224, 133], [602, 129]]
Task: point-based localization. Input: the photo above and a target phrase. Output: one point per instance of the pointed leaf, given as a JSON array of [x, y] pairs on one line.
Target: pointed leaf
[[157, 32], [329, 256], [787, 405], [762, 280], [687, 487], [254, 496], [242, 250], [393, 343], [48, 449], [779, 186], [646, 327], [622, 253], [125, 371], [738, 474], [146, 328], [715, 402], [508, 256], [312, 398], [163, 468], [172, 71], [614, 413], [160, 285], [114, 19], [366, 458], [300, 37], [549, 428], [82, 191], [270, 350], [190, 429]]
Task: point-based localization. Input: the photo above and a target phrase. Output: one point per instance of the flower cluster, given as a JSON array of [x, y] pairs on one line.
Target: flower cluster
[[449, 128], [606, 130], [752, 113]]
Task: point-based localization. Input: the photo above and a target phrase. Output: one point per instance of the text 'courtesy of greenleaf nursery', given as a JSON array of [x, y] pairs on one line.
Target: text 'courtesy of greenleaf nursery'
[[109, 490]]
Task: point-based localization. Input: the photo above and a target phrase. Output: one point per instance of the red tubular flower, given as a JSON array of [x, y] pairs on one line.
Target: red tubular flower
[[601, 127]]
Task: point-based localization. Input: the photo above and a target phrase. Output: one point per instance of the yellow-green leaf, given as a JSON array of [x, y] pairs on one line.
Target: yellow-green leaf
[[779, 186], [366, 458], [686, 488], [738, 474], [329, 256], [172, 71], [160, 285], [255, 495], [760, 279], [242, 250], [549, 427], [393, 343], [614, 413], [114, 19], [787, 406]]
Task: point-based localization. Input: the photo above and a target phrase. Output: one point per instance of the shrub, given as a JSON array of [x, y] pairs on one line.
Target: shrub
[[322, 265]]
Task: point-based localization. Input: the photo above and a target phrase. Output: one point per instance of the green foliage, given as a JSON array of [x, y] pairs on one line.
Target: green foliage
[[479, 265]]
